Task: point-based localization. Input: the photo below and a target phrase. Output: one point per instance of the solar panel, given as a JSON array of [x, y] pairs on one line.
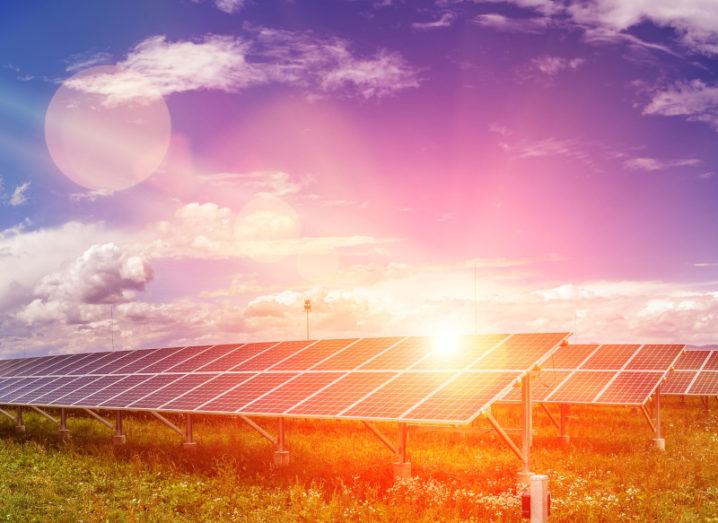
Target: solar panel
[[235, 357], [706, 384], [611, 357], [342, 394], [655, 357], [630, 388], [410, 378], [247, 391], [397, 396], [541, 385], [462, 398], [216, 386], [712, 361], [314, 355], [290, 393], [203, 358], [678, 382], [170, 392], [692, 359], [580, 387], [570, 356]]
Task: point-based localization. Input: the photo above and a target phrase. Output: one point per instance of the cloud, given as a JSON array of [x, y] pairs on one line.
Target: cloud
[[552, 65], [18, 196], [445, 20], [229, 6], [512, 25], [694, 100], [104, 274], [654, 164], [278, 184], [228, 63]]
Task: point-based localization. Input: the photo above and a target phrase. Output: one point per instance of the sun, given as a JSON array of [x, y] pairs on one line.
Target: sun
[[446, 344]]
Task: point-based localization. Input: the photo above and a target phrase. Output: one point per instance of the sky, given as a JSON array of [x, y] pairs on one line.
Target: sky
[[190, 171]]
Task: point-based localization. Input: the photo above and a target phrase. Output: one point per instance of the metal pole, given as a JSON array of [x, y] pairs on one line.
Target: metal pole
[[659, 440], [402, 468], [64, 433], [281, 455], [119, 437], [19, 421], [526, 426], [563, 422], [402, 442]]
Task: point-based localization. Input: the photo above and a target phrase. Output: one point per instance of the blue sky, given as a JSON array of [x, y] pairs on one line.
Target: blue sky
[[366, 154]]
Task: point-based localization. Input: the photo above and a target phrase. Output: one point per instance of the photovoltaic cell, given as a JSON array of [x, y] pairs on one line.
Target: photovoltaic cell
[[610, 357], [520, 351], [139, 360], [630, 388], [170, 392], [75, 383], [342, 394], [114, 362], [61, 369], [678, 382], [569, 356], [581, 387], [468, 349], [655, 357], [97, 384], [48, 385], [705, 385], [20, 388], [291, 393], [95, 361], [204, 358], [248, 391], [542, 383], [271, 356], [49, 363], [402, 355], [399, 395], [357, 354], [173, 359], [712, 363], [25, 367], [141, 390], [313, 355], [464, 397], [235, 357], [108, 392], [219, 384], [692, 360]]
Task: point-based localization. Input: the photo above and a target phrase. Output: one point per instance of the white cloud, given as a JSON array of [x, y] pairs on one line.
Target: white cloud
[[229, 6], [445, 20], [18, 196], [552, 65], [695, 101], [512, 25], [278, 184], [654, 164], [228, 63]]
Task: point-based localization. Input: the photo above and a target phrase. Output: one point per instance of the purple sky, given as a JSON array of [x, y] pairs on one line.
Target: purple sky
[[198, 168]]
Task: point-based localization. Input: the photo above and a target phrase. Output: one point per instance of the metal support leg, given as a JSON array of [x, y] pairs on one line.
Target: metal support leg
[[64, 433], [281, 455], [189, 443], [563, 424], [19, 421], [524, 475], [659, 440], [402, 467], [550, 416], [119, 437]]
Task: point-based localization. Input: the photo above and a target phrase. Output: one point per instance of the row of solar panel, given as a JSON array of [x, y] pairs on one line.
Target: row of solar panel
[[416, 396], [496, 352]]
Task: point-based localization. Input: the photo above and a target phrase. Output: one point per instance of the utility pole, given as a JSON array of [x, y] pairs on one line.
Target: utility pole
[[307, 309], [112, 327]]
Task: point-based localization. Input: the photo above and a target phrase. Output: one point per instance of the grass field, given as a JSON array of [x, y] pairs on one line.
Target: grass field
[[339, 471]]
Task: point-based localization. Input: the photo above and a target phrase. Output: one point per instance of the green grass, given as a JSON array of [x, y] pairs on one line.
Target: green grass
[[339, 471]]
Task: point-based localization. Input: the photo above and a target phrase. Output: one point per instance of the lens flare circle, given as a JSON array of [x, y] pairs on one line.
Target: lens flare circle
[[102, 141]]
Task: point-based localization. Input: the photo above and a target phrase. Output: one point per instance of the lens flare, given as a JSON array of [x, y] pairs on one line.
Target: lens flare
[[446, 344], [107, 143]]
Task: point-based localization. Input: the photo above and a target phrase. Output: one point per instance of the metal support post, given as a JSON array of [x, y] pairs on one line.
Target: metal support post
[[524, 475], [659, 440], [540, 505], [563, 422], [402, 467], [119, 437], [64, 433], [19, 421], [281, 455], [189, 443], [550, 416], [388, 444]]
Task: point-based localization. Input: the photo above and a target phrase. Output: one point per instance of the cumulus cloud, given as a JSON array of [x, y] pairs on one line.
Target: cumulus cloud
[[654, 164], [229, 6], [694, 101], [512, 25], [102, 275], [228, 63]]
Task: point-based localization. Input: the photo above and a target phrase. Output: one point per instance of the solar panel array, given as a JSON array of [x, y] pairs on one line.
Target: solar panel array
[[405, 379], [602, 374], [696, 374]]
